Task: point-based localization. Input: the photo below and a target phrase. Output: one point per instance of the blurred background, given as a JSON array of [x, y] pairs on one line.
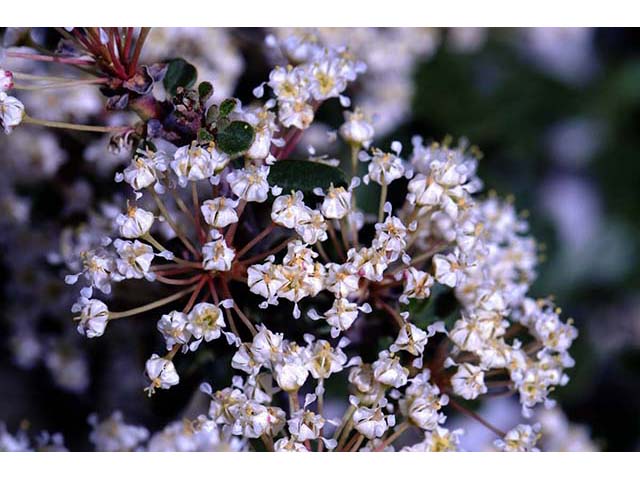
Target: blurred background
[[556, 113]]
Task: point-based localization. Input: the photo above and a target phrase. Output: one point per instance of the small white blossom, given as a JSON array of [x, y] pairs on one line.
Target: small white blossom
[[290, 210], [468, 381], [250, 183], [410, 338], [216, 255], [205, 322], [113, 435], [384, 168], [372, 422], [356, 129], [220, 212], [144, 170], [336, 203], [389, 371], [193, 163], [161, 372], [94, 316], [447, 269], [173, 327], [522, 438], [11, 112], [135, 223], [134, 259]]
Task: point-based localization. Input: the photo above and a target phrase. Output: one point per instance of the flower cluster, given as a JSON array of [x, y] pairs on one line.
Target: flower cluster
[[277, 257]]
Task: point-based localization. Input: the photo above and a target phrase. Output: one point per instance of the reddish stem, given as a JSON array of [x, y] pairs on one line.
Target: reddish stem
[[476, 417], [127, 45], [262, 255], [178, 281], [290, 145], [50, 58], [228, 238], [195, 294], [253, 242], [138, 49]]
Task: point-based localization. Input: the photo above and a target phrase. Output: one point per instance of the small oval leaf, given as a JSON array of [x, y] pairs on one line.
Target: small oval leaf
[[180, 73], [236, 138], [205, 90], [227, 106], [305, 175]]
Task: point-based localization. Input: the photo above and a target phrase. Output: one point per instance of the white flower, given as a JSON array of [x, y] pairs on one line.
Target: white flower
[[471, 333], [135, 259], [326, 79], [468, 381], [264, 125], [193, 163], [389, 371], [342, 280], [216, 255], [135, 223], [94, 316], [342, 314], [291, 370], [438, 440], [423, 401], [297, 114], [289, 445], [265, 279], [305, 425], [384, 168], [312, 229], [336, 203], [446, 187], [244, 360], [205, 321], [522, 438], [372, 422], [97, 267], [290, 375], [369, 263], [356, 129], [220, 212], [113, 435], [290, 210], [410, 338], [11, 112], [447, 269], [324, 360], [361, 377], [144, 169], [417, 284], [6, 80], [390, 237], [250, 183], [255, 419], [173, 327], [161, 372], [266, 344], [287, 84]]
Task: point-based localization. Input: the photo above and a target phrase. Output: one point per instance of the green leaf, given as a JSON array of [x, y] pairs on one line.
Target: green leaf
[[227, 106], [205, 90], [180, 73], [204, 136], [236, 138], [305, 175]]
